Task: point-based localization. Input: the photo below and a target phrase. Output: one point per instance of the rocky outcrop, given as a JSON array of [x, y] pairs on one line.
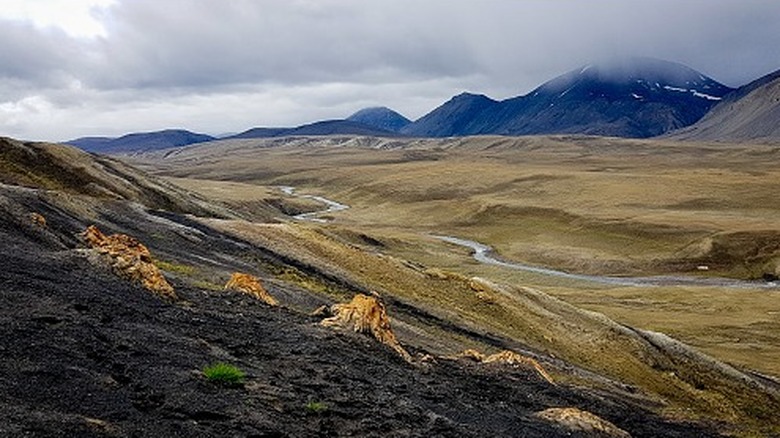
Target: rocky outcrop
[[582, 422], [250, 285], [508, 358], [365, 314], [130, 259], [38, 219]]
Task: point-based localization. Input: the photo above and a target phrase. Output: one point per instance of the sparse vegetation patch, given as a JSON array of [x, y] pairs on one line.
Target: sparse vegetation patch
[[224, 374], [316, 407]]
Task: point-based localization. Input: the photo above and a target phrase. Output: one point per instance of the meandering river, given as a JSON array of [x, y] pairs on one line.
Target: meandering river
[[485, 254], [332, 206]]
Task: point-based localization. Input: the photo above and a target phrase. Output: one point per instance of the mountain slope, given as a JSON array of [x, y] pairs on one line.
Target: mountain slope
[[464, 114], [380, 117], [138, 142], [638, 97], [750, 113]]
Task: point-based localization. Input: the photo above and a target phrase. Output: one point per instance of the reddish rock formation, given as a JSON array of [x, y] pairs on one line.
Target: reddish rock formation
[[250, 285], [38, 219], [509, 358], [129, 258], [582, 422], [366, 314]]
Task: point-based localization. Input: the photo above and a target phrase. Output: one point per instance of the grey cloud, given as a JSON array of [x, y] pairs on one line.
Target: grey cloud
[[180, 43], [178, 61], [30, 55]]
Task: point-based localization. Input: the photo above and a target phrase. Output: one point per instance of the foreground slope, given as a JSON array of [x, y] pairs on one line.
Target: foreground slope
[[750, 113], [109, 358]]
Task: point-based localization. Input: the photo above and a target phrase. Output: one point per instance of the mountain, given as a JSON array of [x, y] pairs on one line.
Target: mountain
[[138, 142], [636, 97], [461, 115], [380, 117], [752, 112], [325, 127]]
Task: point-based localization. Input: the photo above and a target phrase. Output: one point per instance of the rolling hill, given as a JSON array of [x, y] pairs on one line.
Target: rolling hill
[[380, 117], [140, 142]]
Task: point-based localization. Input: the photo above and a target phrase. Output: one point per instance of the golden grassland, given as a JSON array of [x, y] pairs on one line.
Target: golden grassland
[[592, 205]]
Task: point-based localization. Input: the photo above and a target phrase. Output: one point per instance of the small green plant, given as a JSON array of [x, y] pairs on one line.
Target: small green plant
[[316, 407], [223, 373]]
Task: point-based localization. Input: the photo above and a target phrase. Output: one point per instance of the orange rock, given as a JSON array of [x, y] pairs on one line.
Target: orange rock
[[250, 285], [366, 314], [129, 258], [582, 421], [509, 358], [38, 219]]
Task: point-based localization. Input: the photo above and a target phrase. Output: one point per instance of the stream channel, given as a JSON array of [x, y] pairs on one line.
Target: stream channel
[[486, 255]]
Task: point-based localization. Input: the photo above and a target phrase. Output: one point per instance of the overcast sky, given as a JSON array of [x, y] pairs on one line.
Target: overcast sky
[[71, 68]]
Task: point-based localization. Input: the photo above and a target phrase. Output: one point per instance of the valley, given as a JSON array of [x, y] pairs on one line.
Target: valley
[[473, 348], [583, 205]]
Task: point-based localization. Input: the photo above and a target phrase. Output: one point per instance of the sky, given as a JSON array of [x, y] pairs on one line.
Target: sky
[[72, 68]]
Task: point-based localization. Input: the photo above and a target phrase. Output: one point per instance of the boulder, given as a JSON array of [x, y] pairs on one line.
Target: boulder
[[130, 259], [365, 314]]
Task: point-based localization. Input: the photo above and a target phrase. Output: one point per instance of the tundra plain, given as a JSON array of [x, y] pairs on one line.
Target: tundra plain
[[590, 205]]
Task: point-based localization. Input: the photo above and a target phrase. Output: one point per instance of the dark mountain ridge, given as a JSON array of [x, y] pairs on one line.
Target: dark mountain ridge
[[142, 141], [325, 127], [632, 97], [637, 97]]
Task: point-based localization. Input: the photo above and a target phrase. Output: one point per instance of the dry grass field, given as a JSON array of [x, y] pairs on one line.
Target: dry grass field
[[579, 204]]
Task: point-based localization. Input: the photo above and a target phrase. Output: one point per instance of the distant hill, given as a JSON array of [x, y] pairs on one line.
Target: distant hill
[[326, 127], [637, 97], [258, 133], [380, 117], [138, 142], [751, 112]]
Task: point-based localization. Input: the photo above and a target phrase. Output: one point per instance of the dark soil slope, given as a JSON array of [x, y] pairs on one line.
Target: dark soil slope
[[86, 353]]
